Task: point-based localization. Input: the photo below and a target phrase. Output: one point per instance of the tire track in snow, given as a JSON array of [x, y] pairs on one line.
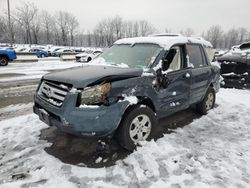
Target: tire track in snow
[[15, 110]]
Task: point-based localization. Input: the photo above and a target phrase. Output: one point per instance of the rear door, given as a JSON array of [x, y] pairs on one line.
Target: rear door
[[201, 72]]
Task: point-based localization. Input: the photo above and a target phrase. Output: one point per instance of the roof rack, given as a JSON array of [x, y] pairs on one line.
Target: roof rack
[[166, 35]]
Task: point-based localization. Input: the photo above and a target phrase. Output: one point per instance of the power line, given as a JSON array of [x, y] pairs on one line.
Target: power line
[[10, 28]]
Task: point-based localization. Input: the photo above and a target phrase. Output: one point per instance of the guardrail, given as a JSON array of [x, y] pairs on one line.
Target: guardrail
[[68, 57], [25, 57], [29, 57]]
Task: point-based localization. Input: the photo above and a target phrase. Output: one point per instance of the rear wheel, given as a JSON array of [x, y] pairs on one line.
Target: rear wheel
[[137, 125], [3, 61], [207, 103]]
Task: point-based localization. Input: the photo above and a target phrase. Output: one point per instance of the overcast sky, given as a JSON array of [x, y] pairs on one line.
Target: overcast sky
[[174, 14]]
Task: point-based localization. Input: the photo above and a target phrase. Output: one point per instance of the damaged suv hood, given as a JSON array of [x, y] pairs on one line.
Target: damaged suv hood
[[81, 77]]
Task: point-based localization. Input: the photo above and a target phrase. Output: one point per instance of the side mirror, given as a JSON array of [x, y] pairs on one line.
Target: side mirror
[[162, 80]]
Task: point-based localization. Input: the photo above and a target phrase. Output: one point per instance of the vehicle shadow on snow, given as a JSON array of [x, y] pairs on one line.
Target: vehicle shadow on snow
[[82, 151]]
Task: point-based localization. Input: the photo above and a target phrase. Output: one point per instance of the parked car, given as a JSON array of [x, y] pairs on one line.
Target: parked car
[[52, 51], [239, 54], [59, 52], [127, 88], [235, 66], [22, 49], [87, 56], [6, 56], [219, 53], [40, 53]]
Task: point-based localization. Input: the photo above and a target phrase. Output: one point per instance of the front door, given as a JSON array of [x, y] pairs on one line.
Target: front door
[[176, 95]]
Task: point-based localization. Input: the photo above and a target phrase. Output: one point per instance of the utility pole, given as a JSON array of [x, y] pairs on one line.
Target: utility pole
[[10, 28]]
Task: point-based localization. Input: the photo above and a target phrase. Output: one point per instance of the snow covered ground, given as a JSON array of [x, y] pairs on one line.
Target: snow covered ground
[[213, 151], [25, 71]]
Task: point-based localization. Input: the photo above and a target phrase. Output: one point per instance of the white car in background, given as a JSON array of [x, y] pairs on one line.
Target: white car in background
[[87, 55]]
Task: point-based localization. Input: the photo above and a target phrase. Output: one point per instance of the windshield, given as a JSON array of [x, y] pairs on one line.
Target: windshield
[[138, 55], [88, 52]]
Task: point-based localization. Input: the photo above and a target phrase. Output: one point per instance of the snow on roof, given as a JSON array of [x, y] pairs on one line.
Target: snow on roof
[[165, 42]]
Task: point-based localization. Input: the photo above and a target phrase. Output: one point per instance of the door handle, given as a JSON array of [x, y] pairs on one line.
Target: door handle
[[187, 75]]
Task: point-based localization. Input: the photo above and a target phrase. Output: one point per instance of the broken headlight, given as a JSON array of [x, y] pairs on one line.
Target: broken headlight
[[95, 94]]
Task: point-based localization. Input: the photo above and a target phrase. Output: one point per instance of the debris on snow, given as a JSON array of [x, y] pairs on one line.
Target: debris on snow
[[98, 160]]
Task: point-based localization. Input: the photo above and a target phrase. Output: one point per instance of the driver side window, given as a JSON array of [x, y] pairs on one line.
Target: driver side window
[[173, 60], [176, 63]]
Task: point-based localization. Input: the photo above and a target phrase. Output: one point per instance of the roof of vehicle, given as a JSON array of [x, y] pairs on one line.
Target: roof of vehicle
[[165, 42], [63, 50]]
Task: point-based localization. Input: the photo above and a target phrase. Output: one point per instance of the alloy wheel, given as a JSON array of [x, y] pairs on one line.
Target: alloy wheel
[[140, 128], [209, 101]]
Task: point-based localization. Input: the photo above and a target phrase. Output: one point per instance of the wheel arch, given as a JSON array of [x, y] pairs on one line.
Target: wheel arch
[[141, 101], [5, 56]]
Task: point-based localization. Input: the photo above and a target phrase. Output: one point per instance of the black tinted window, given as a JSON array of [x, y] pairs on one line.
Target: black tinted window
[[245, 46], [195, 58]]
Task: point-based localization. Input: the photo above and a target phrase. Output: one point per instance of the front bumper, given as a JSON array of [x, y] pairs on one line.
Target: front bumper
[[78, 59], [101, 121]]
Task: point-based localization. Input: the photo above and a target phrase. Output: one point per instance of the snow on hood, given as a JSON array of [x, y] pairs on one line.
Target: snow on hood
[[81, 77]]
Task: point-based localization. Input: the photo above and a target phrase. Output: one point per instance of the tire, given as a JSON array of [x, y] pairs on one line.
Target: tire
[[130, 131], [3, 61], [207, 103], [89, 59]]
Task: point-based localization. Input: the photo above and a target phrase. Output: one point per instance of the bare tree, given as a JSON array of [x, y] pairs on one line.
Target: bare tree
[[47, 24], [168, 30], [232, 37], [99, 35], [62, 20], [117, 23], [128, 28], [145, 28], [25, 15], [243, 34], [136, 29], [214, 35], [248, 37], [89, 39], [3, 29], [73, 24], [187, 32], [10, 26], [36, 29]]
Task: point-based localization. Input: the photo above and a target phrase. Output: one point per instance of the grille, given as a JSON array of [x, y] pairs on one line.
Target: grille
[[54, 93]]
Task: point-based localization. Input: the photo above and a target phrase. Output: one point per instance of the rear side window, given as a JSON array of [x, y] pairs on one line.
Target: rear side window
[[195, 57]]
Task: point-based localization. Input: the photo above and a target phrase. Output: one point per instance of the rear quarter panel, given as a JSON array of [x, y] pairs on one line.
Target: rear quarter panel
[[10, 54]]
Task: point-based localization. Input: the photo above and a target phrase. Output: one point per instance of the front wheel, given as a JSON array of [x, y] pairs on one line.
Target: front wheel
[[89, 59], [137, 125], [207, 103], [3, 61]]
